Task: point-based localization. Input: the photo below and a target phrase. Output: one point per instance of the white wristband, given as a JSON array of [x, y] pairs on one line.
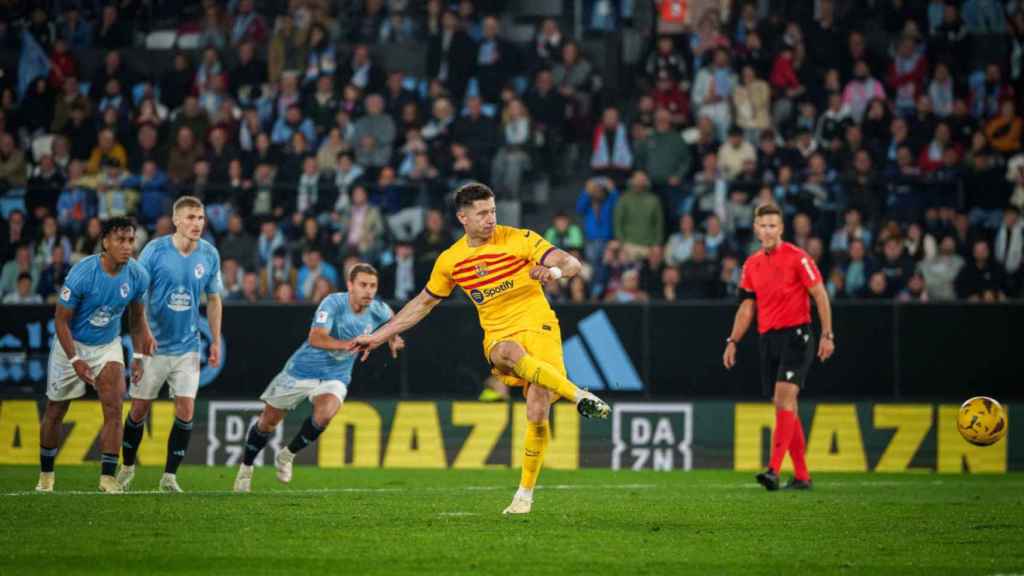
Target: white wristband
[[556, 272], [74, 359], [137, 356]]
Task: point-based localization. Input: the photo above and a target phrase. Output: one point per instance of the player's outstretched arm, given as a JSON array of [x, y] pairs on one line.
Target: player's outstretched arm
[[740, 325], [410, 315], [566, 265], [826, 346], [321, 338]]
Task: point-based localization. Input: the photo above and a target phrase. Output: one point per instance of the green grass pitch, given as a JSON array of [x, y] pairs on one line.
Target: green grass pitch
[[450, 522]]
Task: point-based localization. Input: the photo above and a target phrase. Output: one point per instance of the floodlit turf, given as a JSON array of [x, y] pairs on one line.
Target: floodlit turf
[[591, 521]]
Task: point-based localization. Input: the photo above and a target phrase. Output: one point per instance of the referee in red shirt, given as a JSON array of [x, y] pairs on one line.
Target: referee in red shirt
[[777, 280]]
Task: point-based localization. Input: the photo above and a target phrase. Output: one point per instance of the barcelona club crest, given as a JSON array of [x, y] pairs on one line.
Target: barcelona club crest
[[481, 270]]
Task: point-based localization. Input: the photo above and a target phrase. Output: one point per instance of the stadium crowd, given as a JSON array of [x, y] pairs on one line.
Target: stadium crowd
[[891, 137]]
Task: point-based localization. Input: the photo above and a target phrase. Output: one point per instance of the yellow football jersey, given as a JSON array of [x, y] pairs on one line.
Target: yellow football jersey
[[496, 276]]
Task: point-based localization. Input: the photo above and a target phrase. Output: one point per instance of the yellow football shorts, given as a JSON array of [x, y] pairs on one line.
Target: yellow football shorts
[[544, 344]]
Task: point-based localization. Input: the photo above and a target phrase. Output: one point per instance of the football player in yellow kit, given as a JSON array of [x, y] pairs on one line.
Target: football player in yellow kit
[[502, 269]]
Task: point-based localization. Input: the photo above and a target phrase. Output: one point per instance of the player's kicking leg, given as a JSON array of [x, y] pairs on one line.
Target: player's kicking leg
[[510, 357], [538, 435], [110, 388]]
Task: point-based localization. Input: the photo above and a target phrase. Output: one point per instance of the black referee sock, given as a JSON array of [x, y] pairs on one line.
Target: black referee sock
[[177, 444], [108, 464], [46, 458], [306, 436], [254, 442], [133, 432]]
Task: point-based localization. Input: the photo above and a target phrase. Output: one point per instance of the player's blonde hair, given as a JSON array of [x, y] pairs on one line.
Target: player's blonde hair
[[767, 209], [187, 202]]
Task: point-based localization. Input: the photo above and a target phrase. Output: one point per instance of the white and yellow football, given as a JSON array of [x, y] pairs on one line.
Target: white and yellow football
[[982, 421]]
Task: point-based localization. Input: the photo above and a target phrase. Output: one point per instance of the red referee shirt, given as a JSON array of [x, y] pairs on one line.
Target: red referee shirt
[[779, 281]]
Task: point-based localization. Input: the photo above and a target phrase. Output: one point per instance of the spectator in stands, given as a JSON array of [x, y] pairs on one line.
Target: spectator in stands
[[1009, 249], [13, 169], [44, 187], [247, 25], [628, 290], [363, 224], [666, 62], [987, 91], [52, 276], [878, 287], [664, 156], [22, 265], [857, 269], [90, 242], [287, 50], [680, 244], [1004, 131], [313, 267], [315, 193], [23, 294], [497, 61], [112, 33], [734, 153], [402, 279], [250, 293], [861, 90], [433, 240], [14, 233], [374, 134], [896, 265], [752, 101], [277, 271], [907, 73], [451, 56], [915, 291], [612, 155], [639, 220], [513, 159], [74, 29], [547, 45], [320, 59], [981, 278], [563, 233], [712, 92], [698, 275], [239, 245], [231, 277]]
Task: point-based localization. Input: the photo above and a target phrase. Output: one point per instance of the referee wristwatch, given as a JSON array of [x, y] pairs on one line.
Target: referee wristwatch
[[829, 336], [731, 340]]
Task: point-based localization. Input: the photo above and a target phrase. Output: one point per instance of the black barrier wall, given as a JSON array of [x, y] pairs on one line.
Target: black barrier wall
[[883, 351]]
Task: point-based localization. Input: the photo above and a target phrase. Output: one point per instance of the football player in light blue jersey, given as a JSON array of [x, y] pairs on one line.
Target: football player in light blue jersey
[[87, 349], [182, 267], [320, 370]]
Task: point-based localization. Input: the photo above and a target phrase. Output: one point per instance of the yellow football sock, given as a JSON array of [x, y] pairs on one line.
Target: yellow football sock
[[539, 372], [537, 439]]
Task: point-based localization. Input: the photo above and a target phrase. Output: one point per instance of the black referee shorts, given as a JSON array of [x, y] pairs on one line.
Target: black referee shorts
[[786, 356]]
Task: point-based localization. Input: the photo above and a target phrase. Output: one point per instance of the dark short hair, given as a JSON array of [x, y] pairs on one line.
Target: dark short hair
[[118, 223], [361, 268], [24, 276], [470, 192], [767, 210]]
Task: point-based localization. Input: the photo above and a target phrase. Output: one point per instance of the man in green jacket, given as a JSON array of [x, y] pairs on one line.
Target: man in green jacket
[[639, 219]]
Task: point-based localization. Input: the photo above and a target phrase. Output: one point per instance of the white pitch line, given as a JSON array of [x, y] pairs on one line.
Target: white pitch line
[[308, 491]]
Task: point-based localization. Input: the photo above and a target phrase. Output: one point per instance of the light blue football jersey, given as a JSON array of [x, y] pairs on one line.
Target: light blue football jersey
[[335, 314], [99, 299], [176, 284]]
